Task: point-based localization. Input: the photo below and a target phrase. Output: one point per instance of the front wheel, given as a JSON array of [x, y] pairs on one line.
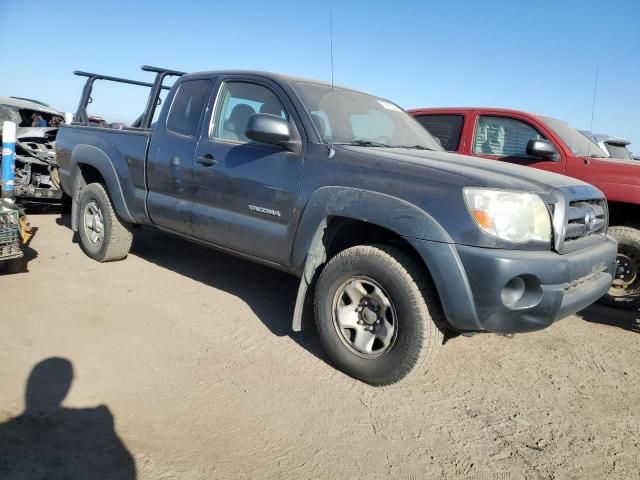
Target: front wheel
[[625, 291], [103, 236], [377, 313]]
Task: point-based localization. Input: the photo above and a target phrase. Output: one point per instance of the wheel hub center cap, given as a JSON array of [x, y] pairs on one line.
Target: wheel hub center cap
[[369, 313]]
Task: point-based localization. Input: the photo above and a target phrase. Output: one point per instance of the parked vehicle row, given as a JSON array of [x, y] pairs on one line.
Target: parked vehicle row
[[545, 143], [394, 239]]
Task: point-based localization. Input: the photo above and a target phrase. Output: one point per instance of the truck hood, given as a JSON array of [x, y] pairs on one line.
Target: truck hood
[[615, 163], [608, 173], [480, 172]]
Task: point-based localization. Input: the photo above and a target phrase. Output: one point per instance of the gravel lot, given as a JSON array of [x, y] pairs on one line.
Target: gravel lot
[[190, 352]]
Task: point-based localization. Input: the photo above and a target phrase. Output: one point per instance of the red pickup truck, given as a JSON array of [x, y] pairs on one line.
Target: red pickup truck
[[549, 144]]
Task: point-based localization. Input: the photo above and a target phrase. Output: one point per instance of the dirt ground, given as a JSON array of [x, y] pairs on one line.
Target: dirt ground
[[187, 354]]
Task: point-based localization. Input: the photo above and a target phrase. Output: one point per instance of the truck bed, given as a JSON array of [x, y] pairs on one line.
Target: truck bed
[[121, 157]]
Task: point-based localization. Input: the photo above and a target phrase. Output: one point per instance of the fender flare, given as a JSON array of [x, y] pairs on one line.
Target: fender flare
[[309, 250], [93, 156]]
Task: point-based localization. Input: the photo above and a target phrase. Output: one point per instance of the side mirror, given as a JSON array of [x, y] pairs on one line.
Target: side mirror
[[267, 128], [543, 149]]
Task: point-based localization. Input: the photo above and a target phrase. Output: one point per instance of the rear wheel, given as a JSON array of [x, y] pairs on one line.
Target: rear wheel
[[377, 313], [103, 236], [625, 291]]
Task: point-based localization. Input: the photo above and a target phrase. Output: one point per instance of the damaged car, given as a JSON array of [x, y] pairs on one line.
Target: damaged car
[[37, 181]]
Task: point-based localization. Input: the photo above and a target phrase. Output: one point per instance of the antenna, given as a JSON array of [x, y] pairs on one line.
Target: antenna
[[593, 110], [332, 152], [331, 42]]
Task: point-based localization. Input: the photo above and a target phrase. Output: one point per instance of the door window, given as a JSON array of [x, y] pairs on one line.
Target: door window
[[503, 137], [187, 106], [237, 101], [446, 128]]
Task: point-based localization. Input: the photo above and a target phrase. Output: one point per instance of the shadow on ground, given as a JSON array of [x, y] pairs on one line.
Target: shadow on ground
[[53, 442], [615, 317], [269, 293], [64, 221]]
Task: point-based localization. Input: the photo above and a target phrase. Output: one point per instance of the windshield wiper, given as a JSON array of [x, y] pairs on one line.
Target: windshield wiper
[[415, 147], [368, 143]]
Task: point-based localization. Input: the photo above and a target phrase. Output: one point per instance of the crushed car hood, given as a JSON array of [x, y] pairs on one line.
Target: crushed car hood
[[35, 132]]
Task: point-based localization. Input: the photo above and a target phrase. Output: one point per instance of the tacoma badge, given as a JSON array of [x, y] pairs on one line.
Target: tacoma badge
[[268, 211]]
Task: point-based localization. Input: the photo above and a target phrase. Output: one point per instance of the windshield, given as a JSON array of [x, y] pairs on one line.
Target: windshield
[[9, 113], [618, 151], [579, 144], [347, 117], [25, 117]]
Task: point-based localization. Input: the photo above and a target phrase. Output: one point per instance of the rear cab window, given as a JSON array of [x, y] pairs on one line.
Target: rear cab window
[[446, 128], [187, 106]]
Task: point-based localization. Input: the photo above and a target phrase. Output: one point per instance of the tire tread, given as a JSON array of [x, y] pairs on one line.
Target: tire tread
[[628, 235], [424, 297], [118, 235]]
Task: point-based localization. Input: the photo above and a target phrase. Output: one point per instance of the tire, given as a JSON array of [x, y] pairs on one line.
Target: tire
[[103, 236], [413, 310], [15, 265], [625, 291]]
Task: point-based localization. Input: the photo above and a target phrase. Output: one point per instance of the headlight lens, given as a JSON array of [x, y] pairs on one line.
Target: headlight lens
[[518, 217]]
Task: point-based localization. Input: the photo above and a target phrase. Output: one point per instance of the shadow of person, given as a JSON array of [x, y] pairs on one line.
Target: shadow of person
[[48, 441]]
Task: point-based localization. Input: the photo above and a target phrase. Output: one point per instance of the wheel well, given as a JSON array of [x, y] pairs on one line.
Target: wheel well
[[90, 174], [624, 214], [343, 233], [85, 175]]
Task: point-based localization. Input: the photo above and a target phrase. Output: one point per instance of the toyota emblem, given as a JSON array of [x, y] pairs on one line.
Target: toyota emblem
[[590, 219]]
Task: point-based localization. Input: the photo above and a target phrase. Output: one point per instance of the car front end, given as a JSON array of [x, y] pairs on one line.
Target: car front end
[[37, 181]]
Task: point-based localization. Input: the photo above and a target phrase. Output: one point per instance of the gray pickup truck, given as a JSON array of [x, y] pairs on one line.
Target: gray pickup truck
[[394, 239]]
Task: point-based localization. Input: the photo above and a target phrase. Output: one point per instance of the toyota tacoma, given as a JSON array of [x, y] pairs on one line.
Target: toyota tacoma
[[394, 240]]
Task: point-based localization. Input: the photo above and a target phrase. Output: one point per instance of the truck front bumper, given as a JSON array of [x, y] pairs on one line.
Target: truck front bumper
[[513, 291], [35, 194]]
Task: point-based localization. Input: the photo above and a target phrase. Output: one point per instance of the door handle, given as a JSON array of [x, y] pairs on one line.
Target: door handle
[[206, 160]]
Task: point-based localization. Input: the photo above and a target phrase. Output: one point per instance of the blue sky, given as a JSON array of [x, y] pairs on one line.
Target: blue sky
[[539, 56]]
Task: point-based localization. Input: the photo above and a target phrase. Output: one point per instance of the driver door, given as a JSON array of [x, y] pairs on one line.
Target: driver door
[[246, 192]]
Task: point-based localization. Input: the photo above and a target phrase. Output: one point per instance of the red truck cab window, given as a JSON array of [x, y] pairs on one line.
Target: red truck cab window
[[503, 137], [446, 128]]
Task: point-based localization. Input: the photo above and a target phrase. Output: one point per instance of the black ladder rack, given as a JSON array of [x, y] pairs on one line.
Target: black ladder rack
[[82, 117]]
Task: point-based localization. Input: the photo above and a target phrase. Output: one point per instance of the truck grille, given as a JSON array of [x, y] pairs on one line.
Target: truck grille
[[583, 218]]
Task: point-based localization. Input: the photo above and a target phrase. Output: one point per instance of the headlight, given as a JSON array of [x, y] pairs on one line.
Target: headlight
[[517, 217]]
